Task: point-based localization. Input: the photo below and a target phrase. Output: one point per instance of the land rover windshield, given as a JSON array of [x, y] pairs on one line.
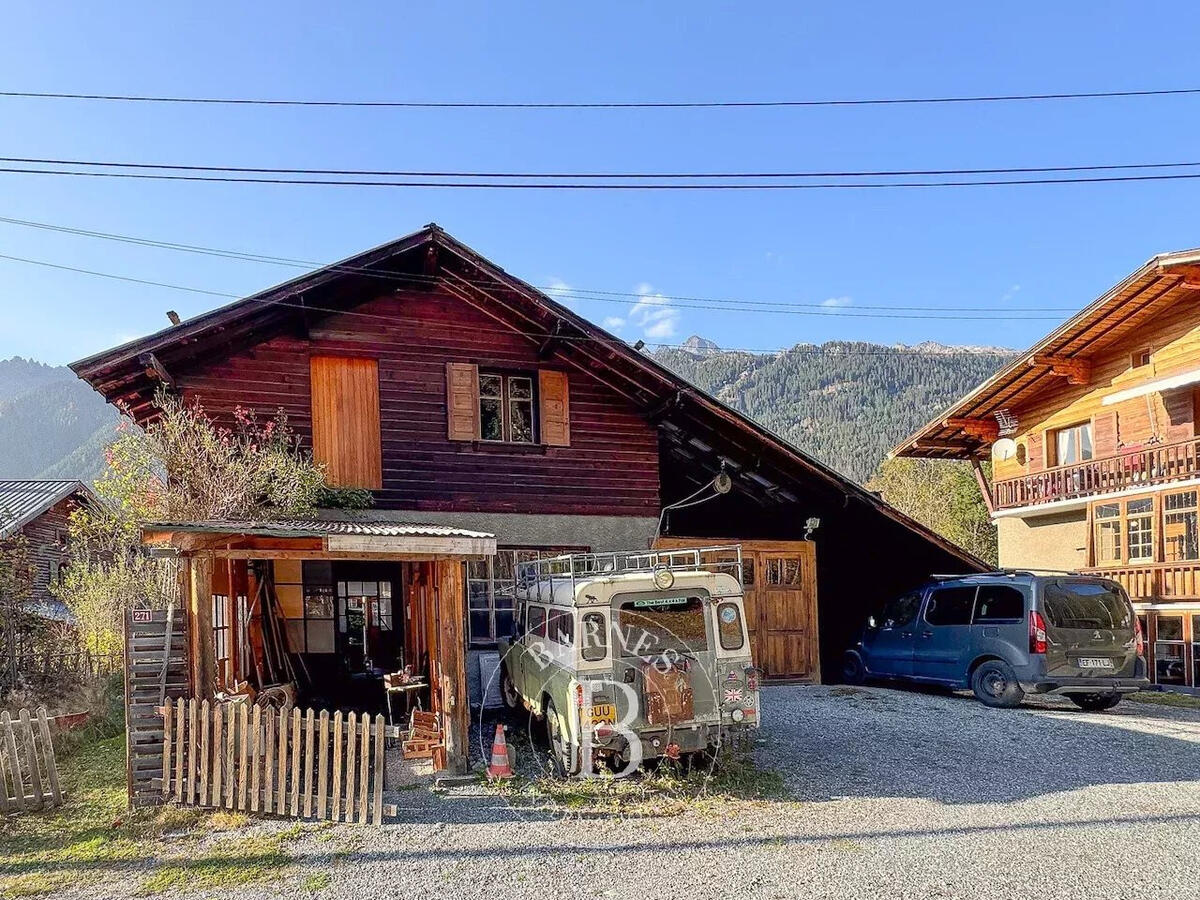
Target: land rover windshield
[[651, 625]]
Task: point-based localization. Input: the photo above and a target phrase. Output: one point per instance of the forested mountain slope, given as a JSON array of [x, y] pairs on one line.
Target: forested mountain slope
[[52, 425], [846, 403]]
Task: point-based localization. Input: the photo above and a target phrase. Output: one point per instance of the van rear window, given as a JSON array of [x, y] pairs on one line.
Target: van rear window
[[1086, 604]]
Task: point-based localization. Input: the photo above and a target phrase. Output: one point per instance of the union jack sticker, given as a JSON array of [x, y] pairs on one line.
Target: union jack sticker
[[732, 694]]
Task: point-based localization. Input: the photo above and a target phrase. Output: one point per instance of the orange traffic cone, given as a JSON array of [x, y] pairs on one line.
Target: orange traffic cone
[[500, 767]]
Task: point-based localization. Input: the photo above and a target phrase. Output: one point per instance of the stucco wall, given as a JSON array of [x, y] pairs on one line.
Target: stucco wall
[[1057, 541]]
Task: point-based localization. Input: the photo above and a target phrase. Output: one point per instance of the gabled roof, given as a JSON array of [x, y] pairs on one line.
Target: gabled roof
[[697, 428], [23, 501], [961, 430]]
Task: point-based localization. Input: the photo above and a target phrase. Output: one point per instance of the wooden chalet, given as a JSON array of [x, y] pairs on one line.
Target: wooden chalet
[[491, 424], [40, 512], [1094, 437]]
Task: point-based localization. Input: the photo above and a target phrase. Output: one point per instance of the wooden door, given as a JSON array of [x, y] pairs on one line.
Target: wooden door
[[780, 583], [787, 612]]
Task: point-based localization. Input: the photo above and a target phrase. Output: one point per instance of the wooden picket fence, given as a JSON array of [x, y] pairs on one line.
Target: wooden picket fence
[[283, 762], [28, 770]]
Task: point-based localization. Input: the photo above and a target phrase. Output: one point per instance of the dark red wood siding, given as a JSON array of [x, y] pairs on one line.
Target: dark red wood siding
[[45, 539], [610, 467]]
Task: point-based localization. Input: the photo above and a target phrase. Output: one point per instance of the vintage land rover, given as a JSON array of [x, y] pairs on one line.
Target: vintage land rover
[[630, 656]]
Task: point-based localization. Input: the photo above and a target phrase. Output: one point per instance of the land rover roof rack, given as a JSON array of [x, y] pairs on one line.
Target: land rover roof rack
[[574, 567]]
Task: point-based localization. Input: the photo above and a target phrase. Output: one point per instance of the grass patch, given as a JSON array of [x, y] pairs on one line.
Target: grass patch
[[94, 836], [233, 864], [318, 881], [666, 789], [1166, 698]]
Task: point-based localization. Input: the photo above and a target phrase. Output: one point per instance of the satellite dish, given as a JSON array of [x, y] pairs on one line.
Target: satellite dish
[[722, 484], [1005, 448]]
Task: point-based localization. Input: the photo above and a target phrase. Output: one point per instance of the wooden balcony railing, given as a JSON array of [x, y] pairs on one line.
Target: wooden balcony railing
[[1144, 466], [1156, 581]]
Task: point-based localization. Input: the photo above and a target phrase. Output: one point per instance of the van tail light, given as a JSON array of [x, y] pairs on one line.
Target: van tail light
[[579, 695], [1139, 638], [1037, 632]]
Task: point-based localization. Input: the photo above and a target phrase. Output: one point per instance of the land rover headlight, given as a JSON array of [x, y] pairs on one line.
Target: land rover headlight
[[664, 578], [737, 715]]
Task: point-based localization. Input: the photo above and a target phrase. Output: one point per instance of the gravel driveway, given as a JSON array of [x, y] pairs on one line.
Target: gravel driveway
[[896, 794]]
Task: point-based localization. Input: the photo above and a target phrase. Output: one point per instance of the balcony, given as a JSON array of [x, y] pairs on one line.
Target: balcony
[[1144, 466], [1155, 581]]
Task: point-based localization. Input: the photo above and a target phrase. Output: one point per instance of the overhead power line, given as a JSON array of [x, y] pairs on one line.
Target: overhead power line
[[561, 291], [828, 313], [443, 326], [602, 104], [607, 186], [401, 173]]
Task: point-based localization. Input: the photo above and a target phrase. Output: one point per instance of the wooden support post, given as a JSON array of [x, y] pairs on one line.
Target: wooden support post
[[201, 626], [452, 662], [984, 487]]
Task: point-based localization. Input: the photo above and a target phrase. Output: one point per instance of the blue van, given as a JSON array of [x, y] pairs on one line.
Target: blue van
[[1008, 634]]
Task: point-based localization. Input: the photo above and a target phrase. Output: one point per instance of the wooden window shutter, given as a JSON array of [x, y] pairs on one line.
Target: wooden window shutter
[[555, 408], [462, 401], [345, 420], [1035, 452], [1104, 434], [1177, 406]]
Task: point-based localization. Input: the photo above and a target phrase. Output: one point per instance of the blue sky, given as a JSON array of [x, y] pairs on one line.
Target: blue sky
[[1011, 248]]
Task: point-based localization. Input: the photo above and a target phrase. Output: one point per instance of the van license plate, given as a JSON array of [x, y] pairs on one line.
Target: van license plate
[[604, 712], [1095, 662]]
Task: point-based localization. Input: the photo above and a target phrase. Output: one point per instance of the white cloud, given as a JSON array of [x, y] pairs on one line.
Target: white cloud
[[613, 323], [559, 290], [654, 314], [1010, 293], [837, 302]]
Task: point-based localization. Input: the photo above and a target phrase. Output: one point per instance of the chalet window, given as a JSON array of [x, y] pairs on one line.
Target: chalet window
[[1073, 444], [345, 420], [1179, 527], [1169, 666], [1139, 525], [1195, 649], [220, 620], [491, 586], [506, 408], [305, 592], [1140, 358], [1108, 533]]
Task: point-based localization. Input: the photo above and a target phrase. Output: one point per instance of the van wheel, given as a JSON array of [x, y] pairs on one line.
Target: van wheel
[[508, 691], [560, 748], [1096, 702], [995, 684], [853, 670]]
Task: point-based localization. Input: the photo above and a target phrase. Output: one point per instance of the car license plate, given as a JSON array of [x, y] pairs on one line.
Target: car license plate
[[604, 712], [1095, 662]]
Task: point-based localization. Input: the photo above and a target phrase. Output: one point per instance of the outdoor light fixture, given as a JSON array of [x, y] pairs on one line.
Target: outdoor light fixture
[[811, 524]]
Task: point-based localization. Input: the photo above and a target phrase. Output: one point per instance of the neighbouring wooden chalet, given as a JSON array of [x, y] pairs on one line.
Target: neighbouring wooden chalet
[[40, 512], [1094, 437], [491, 424]]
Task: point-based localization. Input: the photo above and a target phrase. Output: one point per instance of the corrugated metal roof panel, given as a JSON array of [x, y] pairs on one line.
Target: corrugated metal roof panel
[[22, 501], [318, 528]]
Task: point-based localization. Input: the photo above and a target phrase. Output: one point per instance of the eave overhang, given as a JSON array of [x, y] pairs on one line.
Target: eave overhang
[[967, 428]]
